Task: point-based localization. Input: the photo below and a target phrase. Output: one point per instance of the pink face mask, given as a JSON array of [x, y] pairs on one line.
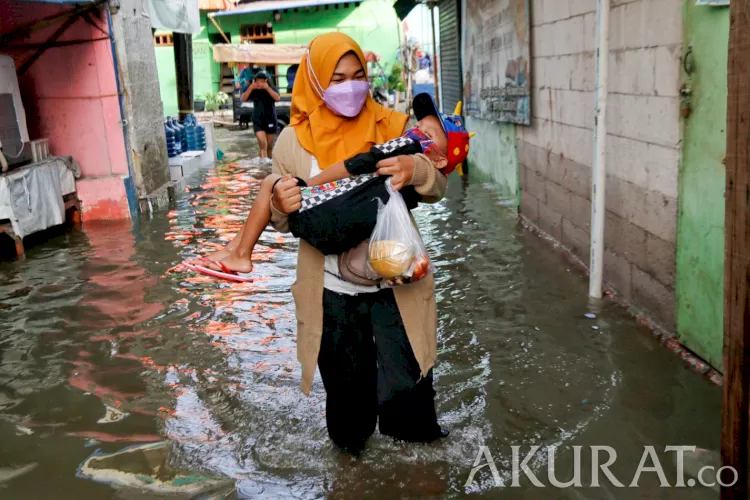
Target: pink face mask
[[344, 99]]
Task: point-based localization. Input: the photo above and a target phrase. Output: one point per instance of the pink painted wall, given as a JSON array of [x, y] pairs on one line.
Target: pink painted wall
[[70, 97]]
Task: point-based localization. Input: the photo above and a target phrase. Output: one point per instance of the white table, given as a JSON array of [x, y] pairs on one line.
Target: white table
[[36, 197]]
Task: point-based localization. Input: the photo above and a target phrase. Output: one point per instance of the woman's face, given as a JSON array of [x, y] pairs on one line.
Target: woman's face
[[349, 68]]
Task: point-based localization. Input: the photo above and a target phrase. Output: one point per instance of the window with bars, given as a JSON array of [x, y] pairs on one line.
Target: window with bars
[[163, 40], [256, 32]]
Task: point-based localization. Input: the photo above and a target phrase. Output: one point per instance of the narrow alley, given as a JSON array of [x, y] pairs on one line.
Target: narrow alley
[[107, 347]]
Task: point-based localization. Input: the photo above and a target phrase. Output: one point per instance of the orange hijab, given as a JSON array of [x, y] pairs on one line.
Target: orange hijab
[[327, 136]]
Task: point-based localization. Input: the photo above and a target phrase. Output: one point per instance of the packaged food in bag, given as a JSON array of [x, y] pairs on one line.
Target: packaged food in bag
[[396, 253]]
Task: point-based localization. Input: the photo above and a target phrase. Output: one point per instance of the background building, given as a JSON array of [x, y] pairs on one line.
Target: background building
[[372, 23]]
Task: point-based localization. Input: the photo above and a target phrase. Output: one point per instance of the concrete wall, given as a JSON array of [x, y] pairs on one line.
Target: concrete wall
[[147, 142], [555, 153], [70, 97], [493, 155], [700, 236]]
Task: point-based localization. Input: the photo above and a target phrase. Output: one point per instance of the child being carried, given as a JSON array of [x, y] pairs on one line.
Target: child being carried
[[338, 209]]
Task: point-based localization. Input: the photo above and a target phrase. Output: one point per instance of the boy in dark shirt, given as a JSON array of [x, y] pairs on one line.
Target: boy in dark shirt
[[264, 98], [336, 211]]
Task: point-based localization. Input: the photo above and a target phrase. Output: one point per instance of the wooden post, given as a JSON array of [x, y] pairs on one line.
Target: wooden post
[[223, 35], [183, 63], [734, 428]]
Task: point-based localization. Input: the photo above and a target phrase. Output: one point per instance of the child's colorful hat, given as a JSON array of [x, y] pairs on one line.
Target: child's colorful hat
[[453, 125]]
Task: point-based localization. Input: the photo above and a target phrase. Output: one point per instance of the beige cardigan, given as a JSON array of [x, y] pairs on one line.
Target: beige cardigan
[[416, 301]]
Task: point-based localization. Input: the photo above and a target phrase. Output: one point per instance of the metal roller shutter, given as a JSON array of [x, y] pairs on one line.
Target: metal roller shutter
[[450, 54]]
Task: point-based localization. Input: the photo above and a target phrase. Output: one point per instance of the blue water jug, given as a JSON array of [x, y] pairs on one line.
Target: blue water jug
[[170, 140], [190, 133], [200, 137], [177, 136], [181, 138], [176, 146], [196, 133]]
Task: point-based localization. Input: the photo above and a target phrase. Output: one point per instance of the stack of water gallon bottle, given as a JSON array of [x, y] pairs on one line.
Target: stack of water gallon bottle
[[188, 135]]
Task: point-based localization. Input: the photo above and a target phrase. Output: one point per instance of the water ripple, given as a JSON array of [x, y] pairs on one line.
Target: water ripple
[[102, 319]]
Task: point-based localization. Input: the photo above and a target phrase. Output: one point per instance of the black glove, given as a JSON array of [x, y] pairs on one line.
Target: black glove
[[366, 163]]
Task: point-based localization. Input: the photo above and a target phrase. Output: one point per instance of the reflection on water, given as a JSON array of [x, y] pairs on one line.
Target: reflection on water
[[106, 345]]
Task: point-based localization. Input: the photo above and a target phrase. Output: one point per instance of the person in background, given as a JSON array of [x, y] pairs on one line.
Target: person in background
[[291, 74], [246, 76], [425, 62], [264, 97]]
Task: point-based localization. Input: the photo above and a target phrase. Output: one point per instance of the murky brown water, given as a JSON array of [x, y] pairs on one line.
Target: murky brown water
[[103, 348]]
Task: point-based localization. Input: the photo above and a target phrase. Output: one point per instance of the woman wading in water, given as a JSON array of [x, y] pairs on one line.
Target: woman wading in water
[[375, 347]]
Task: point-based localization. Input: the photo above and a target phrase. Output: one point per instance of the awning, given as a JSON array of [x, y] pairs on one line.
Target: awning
[[404, 7], [267, 53], [271, 5], [258, 53]]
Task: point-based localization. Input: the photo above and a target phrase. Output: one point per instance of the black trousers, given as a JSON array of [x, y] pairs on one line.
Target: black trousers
[[369, 371]]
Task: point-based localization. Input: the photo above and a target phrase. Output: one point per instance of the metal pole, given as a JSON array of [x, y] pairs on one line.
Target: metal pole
[[183, 62], [599, 176], [434, 56]]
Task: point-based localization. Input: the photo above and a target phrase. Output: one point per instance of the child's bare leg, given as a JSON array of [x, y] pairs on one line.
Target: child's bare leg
[[225, 250], [335, 172], [238, 258]]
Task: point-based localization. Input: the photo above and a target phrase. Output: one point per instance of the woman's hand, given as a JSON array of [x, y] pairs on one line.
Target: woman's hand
[[287, 196], [400, 168]]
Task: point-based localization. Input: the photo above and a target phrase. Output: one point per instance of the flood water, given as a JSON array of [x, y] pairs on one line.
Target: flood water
[[105, 347]]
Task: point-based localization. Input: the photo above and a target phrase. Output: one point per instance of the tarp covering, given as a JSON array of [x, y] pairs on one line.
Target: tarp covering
[[32, 196], [178, 16], [258, 53]]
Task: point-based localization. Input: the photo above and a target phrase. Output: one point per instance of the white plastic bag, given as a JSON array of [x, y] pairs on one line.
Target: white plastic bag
[[396, 253]]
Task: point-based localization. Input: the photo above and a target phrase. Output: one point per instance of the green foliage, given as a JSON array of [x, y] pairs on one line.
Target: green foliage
[[395, 80], [215, 99]]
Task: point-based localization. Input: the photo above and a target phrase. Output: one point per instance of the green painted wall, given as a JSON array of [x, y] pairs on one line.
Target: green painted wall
[[205, 74], [167, 82], [700, 233], [374, 25], [493, 156]]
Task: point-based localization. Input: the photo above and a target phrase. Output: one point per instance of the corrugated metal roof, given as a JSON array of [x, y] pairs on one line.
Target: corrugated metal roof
[[271, 5]]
